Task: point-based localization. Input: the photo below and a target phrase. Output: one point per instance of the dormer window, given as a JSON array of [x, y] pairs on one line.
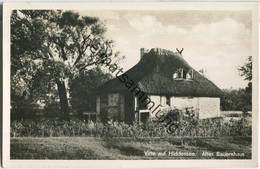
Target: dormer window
[[182, 74], [189, 75], [178, 74]]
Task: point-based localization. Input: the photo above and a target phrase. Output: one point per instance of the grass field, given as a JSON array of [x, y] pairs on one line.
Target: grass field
[[127, 148]]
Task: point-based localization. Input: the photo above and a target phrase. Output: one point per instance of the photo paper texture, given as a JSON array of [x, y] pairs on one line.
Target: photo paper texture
[[172, 83]]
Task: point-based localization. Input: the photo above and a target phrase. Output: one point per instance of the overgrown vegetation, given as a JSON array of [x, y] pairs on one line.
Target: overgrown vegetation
[[54, 128], [118, 140]]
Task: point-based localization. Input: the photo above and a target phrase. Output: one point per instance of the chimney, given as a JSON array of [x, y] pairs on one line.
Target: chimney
[[143, 51]]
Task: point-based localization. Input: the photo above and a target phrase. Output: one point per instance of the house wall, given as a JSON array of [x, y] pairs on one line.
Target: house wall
[[182, 102], [208, 107], [121, 106], [156, 100]]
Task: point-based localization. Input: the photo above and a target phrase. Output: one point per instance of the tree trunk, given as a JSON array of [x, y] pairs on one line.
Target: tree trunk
[[63, 99]]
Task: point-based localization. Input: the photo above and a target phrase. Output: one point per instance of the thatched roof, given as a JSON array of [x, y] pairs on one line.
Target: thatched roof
[[153, 74]]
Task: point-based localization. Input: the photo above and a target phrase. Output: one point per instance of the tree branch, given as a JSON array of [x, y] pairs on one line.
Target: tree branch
[[81, 51], [87, 65]]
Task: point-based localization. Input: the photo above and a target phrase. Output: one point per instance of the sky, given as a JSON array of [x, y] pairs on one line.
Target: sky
[[216, 41]]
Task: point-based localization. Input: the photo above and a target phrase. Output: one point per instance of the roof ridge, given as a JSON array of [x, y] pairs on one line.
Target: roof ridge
[[161, 51]]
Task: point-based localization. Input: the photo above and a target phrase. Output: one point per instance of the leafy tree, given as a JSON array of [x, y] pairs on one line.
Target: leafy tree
[[240, 99], [246, 69], [24, 66], [53, 46], [235, 100], [246, 72]]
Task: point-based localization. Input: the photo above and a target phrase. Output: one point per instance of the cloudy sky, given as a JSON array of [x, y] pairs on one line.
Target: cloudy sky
[[217, 41]]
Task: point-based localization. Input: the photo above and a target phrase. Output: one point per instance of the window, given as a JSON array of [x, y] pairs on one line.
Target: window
[[189, 75], [143, 116], [182, 74], [113, 99], [178, 74], [163, 100], [168, 100]]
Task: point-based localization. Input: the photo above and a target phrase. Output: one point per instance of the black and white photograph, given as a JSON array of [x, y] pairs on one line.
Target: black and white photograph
[[131, 82]]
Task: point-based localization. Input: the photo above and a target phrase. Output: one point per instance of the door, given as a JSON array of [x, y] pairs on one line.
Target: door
[[129, 107]]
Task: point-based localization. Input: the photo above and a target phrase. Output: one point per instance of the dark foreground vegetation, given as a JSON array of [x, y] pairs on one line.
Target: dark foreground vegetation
[[200, 128], [127, 148], [80, 139]]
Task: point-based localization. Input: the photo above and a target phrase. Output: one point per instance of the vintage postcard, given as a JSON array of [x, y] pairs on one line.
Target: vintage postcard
[[113, 85]]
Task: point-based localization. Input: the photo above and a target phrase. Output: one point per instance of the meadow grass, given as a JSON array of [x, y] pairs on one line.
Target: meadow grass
[[124, 148]]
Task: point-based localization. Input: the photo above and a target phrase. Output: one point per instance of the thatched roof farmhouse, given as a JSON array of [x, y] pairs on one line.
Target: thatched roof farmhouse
[[161, 78]]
